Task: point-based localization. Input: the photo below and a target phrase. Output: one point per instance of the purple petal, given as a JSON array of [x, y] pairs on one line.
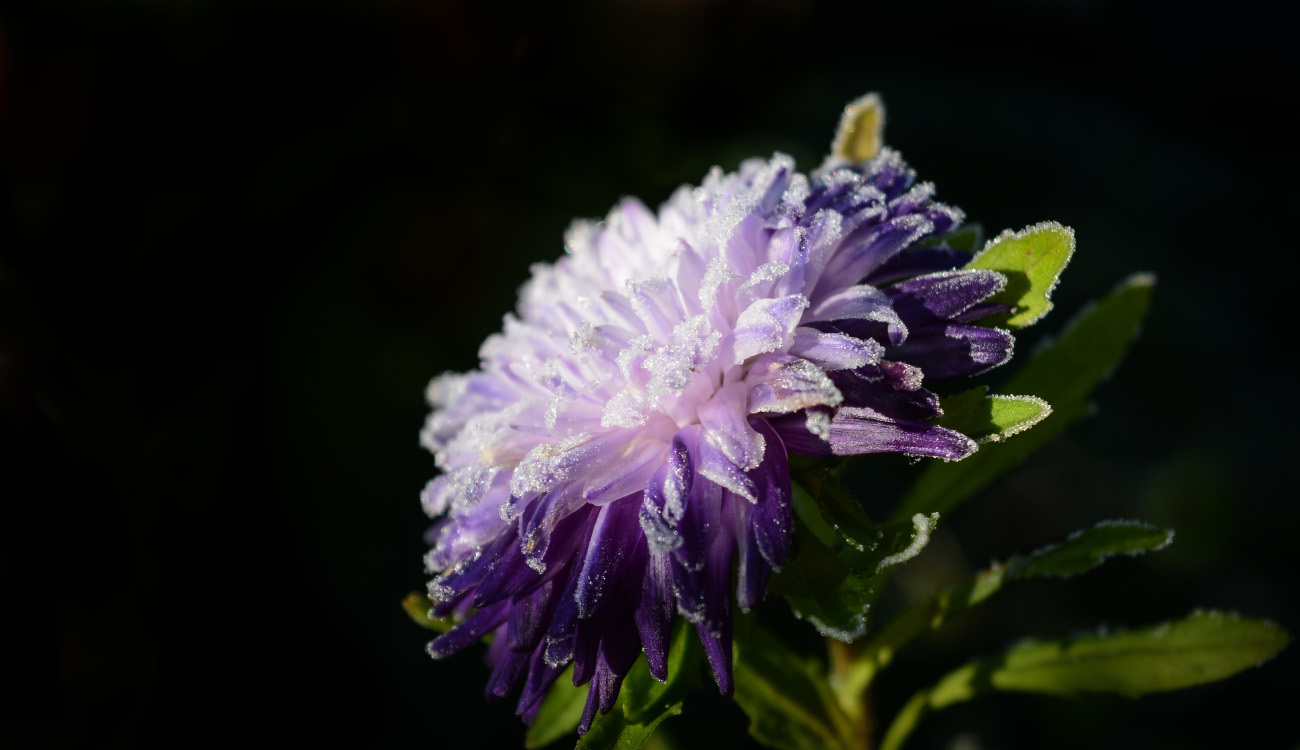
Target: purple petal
[[625, 475], [866, 249], [780, 383], [530, 615], [726, 427], [956, 351], [613, 538], [772, 516], [947, 294], [856, 430], [892, 388], [716, 468], [766, 325], [458, 581], [834, 351], [468, 632], [655, 614], [507, 674], [860, 303], [752, 570], [715, 627], [540, 678], [798, 437], [666, 494]]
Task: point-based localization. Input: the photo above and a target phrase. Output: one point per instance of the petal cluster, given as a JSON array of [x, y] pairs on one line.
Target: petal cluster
[[621, 454]]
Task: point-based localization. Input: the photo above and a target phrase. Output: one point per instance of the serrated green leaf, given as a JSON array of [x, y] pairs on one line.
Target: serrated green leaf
[[1032, 260], [420, 610], [561, 710], [1081, 552], [990, 419], [1064, 372], [789, 703], [1201, 648], [644, 703]]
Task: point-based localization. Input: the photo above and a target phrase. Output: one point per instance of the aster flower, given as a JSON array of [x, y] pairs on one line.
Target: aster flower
[[622, 453]]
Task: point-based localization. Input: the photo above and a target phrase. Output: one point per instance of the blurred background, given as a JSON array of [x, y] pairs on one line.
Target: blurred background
[[238, 238]]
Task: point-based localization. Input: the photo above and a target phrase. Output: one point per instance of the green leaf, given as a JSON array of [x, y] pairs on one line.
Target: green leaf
[[561, 710], [1201, 648], [1032, 260], [1064, 372], [644, 703], [789, 703], [833, 575], [1081, 552], [420, 609], [1086, 549], [838, 519], [822, 590], [612, 731], [989, 419]]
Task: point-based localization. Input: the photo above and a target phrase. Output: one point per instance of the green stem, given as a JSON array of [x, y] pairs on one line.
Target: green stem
[[851, 691]]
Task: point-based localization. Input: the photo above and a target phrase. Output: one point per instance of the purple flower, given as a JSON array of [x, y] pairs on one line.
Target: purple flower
[[624, 444]]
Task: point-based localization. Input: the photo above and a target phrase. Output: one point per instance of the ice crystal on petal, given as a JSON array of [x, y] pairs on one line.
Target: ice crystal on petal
[[626, 435]]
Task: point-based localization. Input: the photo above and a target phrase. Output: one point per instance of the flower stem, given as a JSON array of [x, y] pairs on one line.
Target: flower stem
[[851, 685]]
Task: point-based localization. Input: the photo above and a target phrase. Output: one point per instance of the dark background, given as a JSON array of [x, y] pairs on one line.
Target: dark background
[[238, 238]]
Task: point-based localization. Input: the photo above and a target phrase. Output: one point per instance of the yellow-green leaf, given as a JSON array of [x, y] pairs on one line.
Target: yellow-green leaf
[[1032, 260], [989, 419], [861, 134]]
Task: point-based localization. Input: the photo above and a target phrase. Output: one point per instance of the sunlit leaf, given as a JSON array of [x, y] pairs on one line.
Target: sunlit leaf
[[1032, 260], [989, 419], [1064, 372], [1201, 648]]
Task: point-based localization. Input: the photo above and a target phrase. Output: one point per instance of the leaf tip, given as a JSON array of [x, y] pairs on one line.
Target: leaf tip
[[861, 133]]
